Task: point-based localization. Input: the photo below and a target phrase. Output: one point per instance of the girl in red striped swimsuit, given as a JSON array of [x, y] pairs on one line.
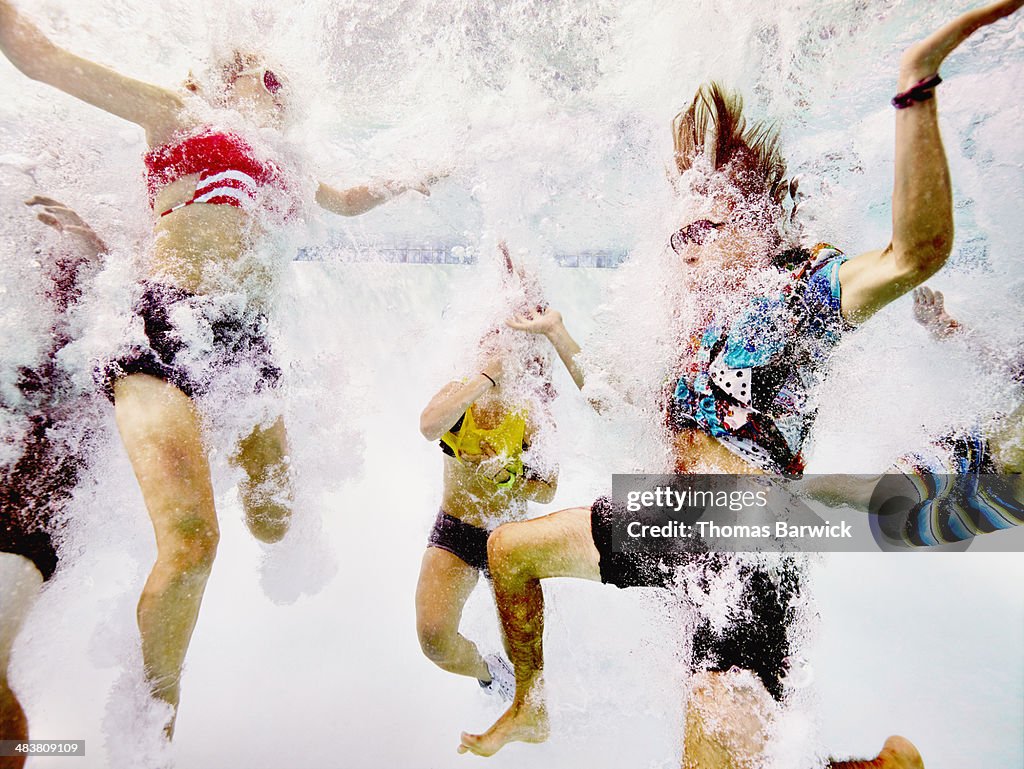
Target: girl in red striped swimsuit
[[204, 185]]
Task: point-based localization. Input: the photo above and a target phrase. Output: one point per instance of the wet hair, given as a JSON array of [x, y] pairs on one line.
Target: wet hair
[[237, 62], [536, 367], [221, 71], [539, 367], [713, 127]]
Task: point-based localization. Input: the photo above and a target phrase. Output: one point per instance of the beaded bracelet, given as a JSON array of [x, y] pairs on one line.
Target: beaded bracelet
[[922, 91]]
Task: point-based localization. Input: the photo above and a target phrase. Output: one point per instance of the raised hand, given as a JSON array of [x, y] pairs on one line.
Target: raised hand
[[923, 59], [423, 185], [542, 320], [57, 215], [65, 220], [930, 312]]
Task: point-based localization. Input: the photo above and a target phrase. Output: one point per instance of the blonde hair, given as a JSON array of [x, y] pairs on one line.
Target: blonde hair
[[713, 126]]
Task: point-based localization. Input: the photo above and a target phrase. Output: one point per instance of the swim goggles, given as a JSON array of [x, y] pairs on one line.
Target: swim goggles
[[270, 80], [698, 233]]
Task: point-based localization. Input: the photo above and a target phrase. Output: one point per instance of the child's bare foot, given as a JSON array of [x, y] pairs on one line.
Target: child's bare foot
[[897, 753], [522, 722]]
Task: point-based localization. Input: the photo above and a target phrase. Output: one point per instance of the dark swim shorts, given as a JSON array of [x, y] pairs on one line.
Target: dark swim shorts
[[461, 539], [32, 491], [755, 639], [236, 336], [21, 536]]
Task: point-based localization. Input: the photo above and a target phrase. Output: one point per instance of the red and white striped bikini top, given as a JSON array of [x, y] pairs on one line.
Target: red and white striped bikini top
[[229, 172]]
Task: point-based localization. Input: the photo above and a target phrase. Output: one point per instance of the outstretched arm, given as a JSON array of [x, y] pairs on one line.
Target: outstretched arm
[[28, 49], [358, 200], [549, 323], [922, 201]]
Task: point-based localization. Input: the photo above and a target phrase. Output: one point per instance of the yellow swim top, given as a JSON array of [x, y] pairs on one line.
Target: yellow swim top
[[505, 439]]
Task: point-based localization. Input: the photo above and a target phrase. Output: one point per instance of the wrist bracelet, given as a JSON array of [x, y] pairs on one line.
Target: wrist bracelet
[[490, 378], [922, 91]]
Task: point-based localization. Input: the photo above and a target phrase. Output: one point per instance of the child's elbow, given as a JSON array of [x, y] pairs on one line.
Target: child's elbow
[[428, 426]]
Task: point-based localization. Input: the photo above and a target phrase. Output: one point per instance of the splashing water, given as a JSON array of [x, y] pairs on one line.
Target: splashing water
[[551, 120]]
